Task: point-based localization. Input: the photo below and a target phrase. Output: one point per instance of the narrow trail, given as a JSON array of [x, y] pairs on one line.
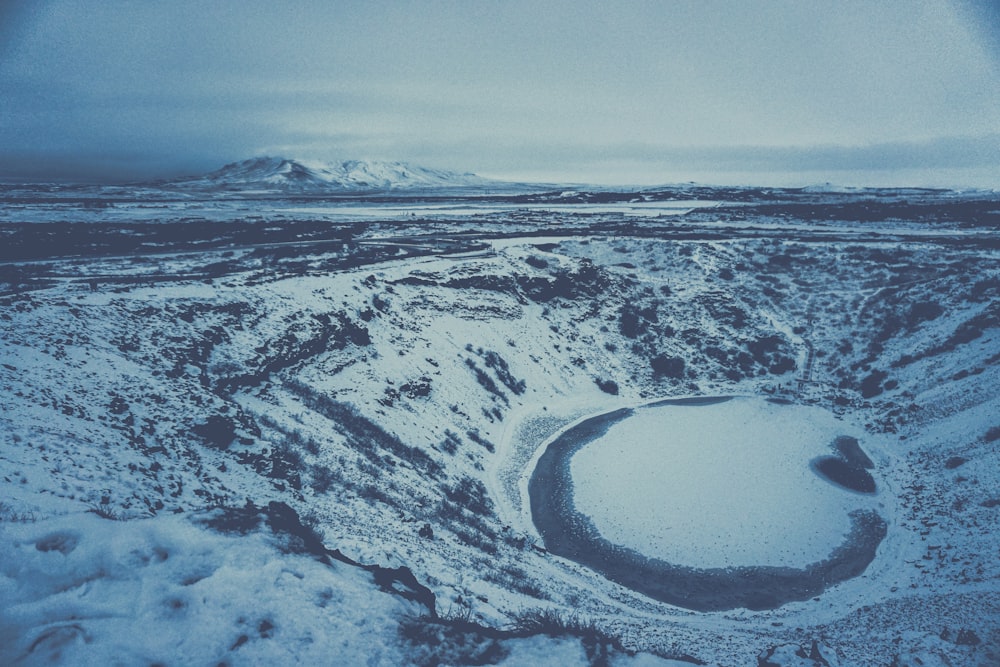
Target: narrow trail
[[810, 357]]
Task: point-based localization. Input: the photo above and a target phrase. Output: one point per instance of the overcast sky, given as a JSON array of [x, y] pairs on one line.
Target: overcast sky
[[762, 91]]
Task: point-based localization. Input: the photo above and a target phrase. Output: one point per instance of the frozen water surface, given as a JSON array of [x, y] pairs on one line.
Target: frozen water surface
[[720, 485]]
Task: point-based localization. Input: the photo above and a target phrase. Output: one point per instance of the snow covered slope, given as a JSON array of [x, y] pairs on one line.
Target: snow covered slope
[[393, 392], [312, 177]]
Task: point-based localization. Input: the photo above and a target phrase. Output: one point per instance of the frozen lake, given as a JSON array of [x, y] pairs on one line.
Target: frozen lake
[[709, 503], [716, 485]]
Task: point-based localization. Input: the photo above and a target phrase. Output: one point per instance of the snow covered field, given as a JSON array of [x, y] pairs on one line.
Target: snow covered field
[[395, 397]]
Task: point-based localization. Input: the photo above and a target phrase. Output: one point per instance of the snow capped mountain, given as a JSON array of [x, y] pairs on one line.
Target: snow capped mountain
[[349, 176]]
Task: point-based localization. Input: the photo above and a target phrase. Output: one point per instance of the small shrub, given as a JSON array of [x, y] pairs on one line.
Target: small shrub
[[364, 435], [923, 311], [607, 386], [781, 365], [418, 388], [217, 431], [470, 494], [871, 386], [480, 440], [8, 513], [324, 479], [666, 366], [545, 621], [634, 321], [954, 462], [514, 578], [451, 442], [476, 540], [502, 370], [105, 511], [555, 624], [486, 382], [763, 348]]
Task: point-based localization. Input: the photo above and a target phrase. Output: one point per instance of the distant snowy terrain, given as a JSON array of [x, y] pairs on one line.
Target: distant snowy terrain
[[239, 433], [285, 175]]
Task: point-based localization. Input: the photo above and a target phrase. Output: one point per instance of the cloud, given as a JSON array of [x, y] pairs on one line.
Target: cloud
[[984, 18], [939, 153], [945, 161], [113, 90]]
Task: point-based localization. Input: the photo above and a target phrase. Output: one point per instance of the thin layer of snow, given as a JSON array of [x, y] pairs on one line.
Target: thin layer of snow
[[84, 590], [81, 590], [718, 485]]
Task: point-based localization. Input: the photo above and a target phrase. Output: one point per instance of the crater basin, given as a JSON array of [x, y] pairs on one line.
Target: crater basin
[[706, 503]]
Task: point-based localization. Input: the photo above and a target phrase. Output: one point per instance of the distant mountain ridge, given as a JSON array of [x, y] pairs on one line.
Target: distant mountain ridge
[[308, 176]]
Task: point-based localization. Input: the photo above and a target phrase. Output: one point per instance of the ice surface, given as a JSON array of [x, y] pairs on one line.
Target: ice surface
[[85, 590], [719, 485]]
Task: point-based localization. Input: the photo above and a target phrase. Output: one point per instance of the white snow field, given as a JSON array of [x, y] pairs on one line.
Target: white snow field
[[720, 485], [82, 590], [394, 380]]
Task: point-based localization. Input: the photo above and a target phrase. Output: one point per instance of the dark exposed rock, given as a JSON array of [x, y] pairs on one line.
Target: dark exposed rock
[[967, 638], [667, 366], [842, 473], [607, 386], [851, 451], [871, 386], [217, 431], [954, 462]]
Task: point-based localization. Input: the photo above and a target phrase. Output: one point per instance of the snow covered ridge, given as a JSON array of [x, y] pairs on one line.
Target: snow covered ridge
[[308, 176]]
